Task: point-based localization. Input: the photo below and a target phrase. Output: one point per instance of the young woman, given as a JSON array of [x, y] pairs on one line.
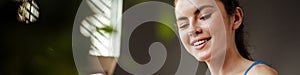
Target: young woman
[[212, 31]]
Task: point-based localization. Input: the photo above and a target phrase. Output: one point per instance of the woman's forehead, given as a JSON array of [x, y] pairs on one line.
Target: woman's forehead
[[184, 7], [195, 3]]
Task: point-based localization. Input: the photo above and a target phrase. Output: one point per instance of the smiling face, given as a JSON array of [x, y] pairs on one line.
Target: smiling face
[[204, 27]]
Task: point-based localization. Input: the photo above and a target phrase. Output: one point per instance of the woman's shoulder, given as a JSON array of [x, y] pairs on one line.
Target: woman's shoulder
[[262, 69]]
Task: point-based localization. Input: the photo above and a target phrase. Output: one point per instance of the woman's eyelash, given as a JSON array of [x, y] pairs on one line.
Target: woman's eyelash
[[183, 25], [205, 17]]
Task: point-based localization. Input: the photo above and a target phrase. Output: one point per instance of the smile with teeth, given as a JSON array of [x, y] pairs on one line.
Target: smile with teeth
[[199, 44]]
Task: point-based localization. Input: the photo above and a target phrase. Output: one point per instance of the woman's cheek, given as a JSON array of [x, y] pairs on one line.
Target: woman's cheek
[[185, 40], [181, 37]]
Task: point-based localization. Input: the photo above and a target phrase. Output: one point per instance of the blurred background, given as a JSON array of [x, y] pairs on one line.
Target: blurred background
[[44, 47]]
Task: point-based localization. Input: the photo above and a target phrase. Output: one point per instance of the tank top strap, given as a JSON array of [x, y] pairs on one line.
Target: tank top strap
[[255, 63]]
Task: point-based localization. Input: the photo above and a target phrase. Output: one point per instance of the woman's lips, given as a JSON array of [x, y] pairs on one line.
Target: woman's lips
[[200, 43]]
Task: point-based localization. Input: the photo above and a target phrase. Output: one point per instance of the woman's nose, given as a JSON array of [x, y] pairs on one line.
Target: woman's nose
[[194, 29]]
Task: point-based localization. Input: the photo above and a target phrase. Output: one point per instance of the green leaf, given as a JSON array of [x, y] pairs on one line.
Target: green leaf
[[107, 29]]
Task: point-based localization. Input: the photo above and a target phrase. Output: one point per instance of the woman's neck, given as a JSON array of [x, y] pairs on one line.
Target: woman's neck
[[233, 64]]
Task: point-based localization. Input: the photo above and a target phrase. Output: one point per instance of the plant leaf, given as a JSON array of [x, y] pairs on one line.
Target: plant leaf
[[107, 29]]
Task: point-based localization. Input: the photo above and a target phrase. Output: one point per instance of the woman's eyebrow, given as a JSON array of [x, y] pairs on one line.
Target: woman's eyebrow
[[182, 18], [202, 7]]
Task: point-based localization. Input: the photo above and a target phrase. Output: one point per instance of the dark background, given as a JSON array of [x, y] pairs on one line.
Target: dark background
[[273, 27], [45, 47], [41, 48]]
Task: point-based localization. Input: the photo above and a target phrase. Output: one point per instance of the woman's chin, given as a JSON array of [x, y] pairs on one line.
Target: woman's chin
[[203, 56]]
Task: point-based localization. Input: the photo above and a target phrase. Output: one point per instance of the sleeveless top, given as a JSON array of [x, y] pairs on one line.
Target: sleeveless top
[[255, 63]]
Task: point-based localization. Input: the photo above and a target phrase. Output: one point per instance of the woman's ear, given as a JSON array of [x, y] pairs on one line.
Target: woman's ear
[[238, 18]]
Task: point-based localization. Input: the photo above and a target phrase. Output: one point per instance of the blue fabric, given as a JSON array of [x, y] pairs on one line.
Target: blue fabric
[[249, 68], [255, 63]]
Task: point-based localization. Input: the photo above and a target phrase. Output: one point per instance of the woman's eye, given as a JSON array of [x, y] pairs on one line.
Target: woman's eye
[[183, 25], [205, 17]]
